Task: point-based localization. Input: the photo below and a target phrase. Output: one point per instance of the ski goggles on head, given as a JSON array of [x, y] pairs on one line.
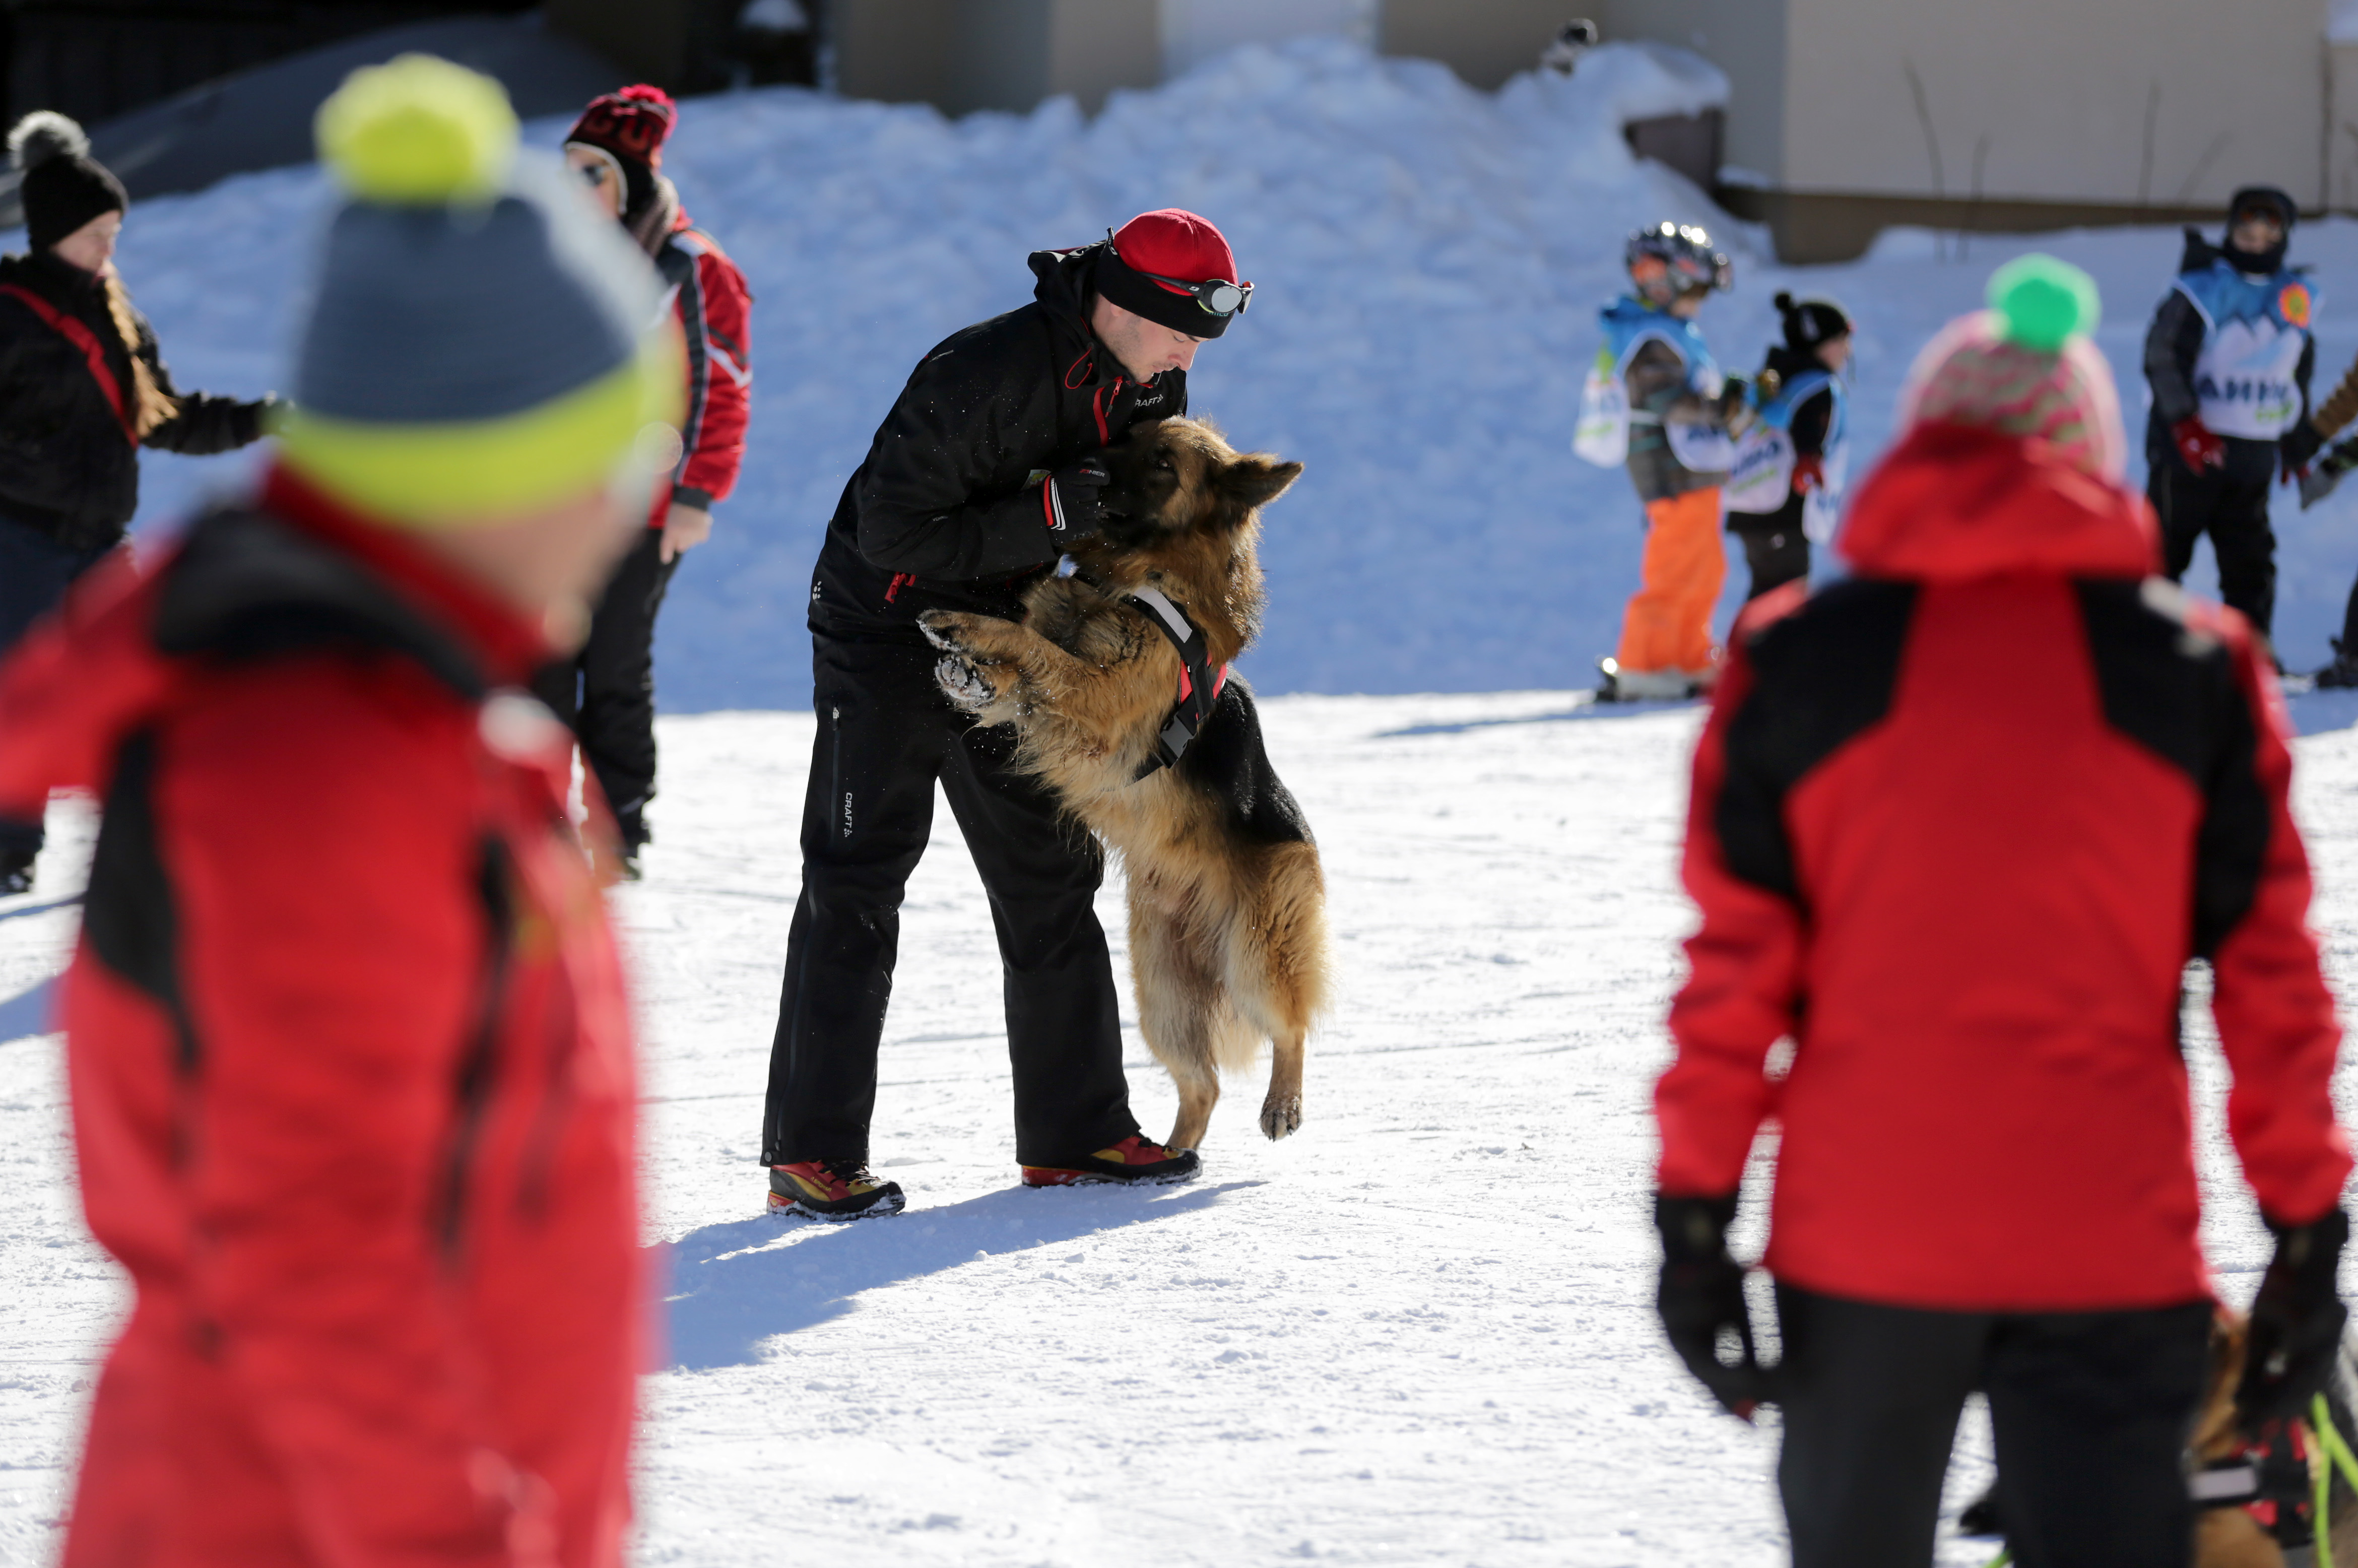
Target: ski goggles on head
[[1217, 296]]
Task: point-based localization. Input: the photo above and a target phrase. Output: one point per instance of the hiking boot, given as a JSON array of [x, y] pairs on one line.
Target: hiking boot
[[16, 871], [1132, 1160], [2342, 673], [832, 1189]]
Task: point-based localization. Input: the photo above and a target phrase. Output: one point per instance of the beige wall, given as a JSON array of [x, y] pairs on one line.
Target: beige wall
[[1484, 41], [1746, 38], [2054, 95], [964, 55], [2342, 142]]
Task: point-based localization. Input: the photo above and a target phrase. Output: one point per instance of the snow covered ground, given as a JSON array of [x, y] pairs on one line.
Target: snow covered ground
[[1417, 1332], [1430, 261]]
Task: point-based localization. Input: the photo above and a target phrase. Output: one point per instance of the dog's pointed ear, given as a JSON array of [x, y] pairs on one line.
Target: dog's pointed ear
[[1256, 480]]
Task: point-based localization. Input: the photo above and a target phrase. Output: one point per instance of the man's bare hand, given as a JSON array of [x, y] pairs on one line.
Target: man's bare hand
[[684, 528]]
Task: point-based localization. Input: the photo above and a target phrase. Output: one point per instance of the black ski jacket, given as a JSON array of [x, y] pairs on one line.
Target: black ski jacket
[[2172, 344], [945, 513], [1814, 414], [66, 466]]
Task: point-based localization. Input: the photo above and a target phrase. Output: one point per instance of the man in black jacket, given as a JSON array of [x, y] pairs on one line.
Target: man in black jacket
[[985, 472]]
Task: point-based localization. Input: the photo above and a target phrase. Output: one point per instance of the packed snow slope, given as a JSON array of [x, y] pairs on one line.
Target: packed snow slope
[[1418, 1332], [1429, 260]]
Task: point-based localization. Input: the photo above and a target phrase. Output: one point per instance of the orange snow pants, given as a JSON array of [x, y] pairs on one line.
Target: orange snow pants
[[1668, 623]]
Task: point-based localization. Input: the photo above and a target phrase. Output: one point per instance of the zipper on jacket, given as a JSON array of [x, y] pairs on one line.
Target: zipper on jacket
[[472, 1088], [900, 580], [834, 789]]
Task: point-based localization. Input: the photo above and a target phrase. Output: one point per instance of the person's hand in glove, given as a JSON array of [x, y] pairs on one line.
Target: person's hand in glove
[[1069, 499], [1809, 472], [2199, 445], [2295, 448], [1702, 1297], [2297, 1318]]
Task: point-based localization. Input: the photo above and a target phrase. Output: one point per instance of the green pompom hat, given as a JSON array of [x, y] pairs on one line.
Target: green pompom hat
[[480, 344]]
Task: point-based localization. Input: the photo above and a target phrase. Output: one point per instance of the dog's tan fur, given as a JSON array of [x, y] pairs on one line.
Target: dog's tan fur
[[1227, 935]]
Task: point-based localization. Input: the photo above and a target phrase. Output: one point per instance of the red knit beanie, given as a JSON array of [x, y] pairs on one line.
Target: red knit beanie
[[1169, 244], [632, 125]]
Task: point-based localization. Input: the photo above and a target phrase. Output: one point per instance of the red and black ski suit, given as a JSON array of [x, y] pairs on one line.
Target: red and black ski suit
[[1957, 825], [350, 1063]]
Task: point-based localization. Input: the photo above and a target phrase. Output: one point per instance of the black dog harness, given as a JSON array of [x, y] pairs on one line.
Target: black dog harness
[[1199, 684], [2269, 1479]]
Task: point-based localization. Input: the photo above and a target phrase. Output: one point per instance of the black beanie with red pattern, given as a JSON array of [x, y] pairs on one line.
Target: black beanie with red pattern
[[632, 125]]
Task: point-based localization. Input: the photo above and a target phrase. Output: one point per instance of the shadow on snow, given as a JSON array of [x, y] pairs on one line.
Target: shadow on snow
[[2320, 712], [734, 1284], [27, 1013], [1582, 714]]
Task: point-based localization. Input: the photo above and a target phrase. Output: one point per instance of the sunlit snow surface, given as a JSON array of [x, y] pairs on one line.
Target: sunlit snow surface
[[1417, 1332]]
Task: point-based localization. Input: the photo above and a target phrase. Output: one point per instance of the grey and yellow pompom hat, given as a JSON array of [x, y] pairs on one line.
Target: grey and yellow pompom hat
[[480, 344]]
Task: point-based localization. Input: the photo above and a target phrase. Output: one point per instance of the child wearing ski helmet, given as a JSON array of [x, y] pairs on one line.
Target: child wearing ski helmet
[[1790, 466], [1656, 402], [2228, 357], [82, 389]]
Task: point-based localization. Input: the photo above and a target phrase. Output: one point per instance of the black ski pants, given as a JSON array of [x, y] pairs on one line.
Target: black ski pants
[[886, 734], [1774, 545], [2233, 508], [2092, 1413], [34, 573], [606, 693]]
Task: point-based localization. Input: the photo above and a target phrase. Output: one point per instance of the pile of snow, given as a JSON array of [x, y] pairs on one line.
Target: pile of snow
[[1430, 261]]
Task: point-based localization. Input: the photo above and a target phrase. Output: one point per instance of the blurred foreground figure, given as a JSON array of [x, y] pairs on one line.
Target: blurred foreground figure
[[351, 1060], [82, 388], [1958, 825], [606, 691]]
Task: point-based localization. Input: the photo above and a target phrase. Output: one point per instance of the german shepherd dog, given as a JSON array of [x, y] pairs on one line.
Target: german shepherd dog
[[1228, 902]]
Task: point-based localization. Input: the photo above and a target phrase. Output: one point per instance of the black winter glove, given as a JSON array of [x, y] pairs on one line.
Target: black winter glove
[[1702, 1296], [1069, 497], [2296, 445], [2297, 1320]]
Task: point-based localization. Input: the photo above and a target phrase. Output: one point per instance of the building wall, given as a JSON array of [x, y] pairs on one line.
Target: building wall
[[2136, 101], [2342, 127], [896, 51], [1484, 41], [1746, 38], [965, 55]]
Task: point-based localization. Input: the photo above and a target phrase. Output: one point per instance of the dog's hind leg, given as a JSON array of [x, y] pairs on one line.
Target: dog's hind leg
[[1278, 971], [1177, 1004]]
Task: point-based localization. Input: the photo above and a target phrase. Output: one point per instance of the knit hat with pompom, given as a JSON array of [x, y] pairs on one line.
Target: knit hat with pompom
[[2026, 367], [632, 126], [63, 187], [480, 344]]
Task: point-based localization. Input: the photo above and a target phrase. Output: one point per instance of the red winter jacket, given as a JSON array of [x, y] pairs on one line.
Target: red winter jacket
[[715, 311], [350, 1063], [1957, 825]]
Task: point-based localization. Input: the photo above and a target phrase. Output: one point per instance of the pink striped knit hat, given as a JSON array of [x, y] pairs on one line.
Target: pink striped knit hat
[[2027, 367]]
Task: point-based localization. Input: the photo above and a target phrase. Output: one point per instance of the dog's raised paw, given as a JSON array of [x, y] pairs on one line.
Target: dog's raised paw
[[1281, 1116], [962, 682], [935, 624]]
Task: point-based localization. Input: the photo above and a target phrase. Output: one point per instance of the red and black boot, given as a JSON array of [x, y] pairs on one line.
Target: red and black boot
[[832, 1189], [1133, 1161]]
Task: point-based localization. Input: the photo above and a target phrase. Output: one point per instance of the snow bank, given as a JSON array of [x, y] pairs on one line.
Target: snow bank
[[1429, 260]]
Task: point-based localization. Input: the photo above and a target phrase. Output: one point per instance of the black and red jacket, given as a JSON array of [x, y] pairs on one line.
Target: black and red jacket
[[351, 1060], [715, 311], [945, 513], [1958, 825]]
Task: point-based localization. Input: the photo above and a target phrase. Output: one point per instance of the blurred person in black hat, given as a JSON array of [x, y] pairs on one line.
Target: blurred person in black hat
[[82, 388], [1790, 464]]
